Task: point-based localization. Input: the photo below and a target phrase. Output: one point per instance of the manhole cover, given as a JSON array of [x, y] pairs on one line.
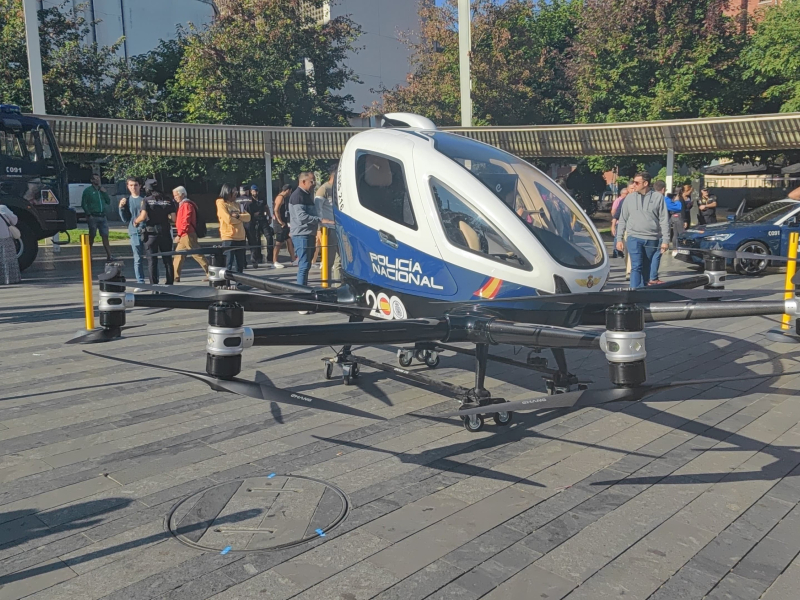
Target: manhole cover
[[259, 513]]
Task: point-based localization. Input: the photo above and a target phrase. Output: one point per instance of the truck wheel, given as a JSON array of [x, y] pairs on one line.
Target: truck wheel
[[27, 245]]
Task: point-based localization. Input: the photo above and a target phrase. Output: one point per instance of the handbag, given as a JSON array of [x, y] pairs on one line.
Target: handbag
[[12, 229]]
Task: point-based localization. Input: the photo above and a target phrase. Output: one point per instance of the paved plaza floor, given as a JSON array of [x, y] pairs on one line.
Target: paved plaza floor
[[691, 494]]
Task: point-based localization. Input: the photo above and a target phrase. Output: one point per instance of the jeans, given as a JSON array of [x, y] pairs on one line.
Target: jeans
[[237, 257], [641, 253], [138, 251], [154, 243], [655, 264], [304, 247]]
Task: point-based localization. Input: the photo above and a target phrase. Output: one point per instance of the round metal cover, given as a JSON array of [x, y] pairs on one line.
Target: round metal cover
[[259, 513]]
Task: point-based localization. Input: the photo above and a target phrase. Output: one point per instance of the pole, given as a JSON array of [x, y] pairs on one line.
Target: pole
[[791, 267], [268, 171], [464, 49], [324, 241], [670, 168], [34, 56], [86, 259]]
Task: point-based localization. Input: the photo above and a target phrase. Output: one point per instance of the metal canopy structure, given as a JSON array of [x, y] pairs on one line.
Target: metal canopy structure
[[687, 136]]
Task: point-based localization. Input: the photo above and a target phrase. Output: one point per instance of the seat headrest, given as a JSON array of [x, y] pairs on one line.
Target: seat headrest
[[377, 172], [470, 235]]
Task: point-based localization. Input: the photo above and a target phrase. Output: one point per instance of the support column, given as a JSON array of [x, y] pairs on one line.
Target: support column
[[670, 169], [464, 49], [34, 56]]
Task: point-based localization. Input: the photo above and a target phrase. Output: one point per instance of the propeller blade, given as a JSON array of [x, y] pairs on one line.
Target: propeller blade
[[101, 335], [261, 391], [204, 292], [598, 397], [610, 297], [205, 251]]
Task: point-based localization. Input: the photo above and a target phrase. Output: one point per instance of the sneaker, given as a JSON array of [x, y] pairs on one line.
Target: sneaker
[[674, 253], [278, 265], [295, 263], [177, 280], [303, 312], [255, 265], [205, 279], [316, 266], [137, 290]]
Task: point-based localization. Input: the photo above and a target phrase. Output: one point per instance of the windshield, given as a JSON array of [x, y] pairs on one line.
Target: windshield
[[769, 213], [554, 218]]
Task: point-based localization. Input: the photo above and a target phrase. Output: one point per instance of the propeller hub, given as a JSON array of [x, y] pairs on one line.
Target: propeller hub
[[226, 340], [624, 344], [715, 271]]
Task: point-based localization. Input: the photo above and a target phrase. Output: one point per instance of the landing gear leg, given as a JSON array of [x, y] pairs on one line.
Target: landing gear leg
[[562, 381], [480, 396], [350, 369]]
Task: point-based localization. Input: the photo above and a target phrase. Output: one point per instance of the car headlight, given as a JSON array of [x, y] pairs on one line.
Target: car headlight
[[720, 237]]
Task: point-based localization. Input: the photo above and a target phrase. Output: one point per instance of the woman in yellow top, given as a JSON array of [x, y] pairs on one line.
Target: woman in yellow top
[[231, 226]]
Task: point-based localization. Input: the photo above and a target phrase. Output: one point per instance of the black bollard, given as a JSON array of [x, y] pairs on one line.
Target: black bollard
[[624, 345]]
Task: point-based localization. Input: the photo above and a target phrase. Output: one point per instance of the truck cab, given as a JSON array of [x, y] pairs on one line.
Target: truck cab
[[33, 180]]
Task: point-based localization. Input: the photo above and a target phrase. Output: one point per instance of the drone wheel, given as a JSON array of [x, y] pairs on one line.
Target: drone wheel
[[473, 423], [346, 379], [355, 371], [328, 370], [432, 359], [405, 359], [502, 418], [419, 355]]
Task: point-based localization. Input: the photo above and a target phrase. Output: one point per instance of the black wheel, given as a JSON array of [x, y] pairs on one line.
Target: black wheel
[[473, 423], [27, 245], [432, 359], [404, 359], [419, 355], [328, 370], [346, 378], [749, 267], [502, 418], [355, 371]]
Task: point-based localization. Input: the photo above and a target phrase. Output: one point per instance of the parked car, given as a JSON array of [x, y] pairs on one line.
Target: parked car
[[764, 230]]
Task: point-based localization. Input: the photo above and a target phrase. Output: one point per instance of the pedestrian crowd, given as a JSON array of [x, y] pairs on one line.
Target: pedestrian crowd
[[646, 219]]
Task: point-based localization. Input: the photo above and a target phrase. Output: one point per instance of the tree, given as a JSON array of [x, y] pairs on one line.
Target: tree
[[79, 78], [517, 63], [772, 58], [638, 60], [249, 66]]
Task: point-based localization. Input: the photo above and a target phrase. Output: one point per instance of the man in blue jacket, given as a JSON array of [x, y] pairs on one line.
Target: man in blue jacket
[[303, 222], [644, 217], [129, 209]]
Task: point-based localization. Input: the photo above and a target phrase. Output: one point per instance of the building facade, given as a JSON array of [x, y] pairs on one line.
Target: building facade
[[382, 59]]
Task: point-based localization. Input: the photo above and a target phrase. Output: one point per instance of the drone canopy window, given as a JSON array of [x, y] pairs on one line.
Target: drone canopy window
[[382, 188]]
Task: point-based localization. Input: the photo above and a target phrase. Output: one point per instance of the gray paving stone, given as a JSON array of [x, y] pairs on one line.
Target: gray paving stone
[[476, 581], [557, 531], [766, 561], [760, 518], [483, 547], [686, 584], [721, 554], [734, 587], [422, 583]]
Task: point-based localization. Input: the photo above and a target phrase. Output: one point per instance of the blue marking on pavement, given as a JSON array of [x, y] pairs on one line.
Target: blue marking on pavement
[[320, 533], [271, 475], [226, 550]]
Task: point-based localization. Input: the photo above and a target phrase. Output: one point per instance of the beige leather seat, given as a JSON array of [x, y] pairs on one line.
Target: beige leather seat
[[473, 241], [377, 172]]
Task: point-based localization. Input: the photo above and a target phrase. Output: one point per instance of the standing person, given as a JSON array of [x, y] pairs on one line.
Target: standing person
[[261, 214], [707, 206], [676, 211], [9, 263], [186, 225], [93, 202], [644, 219], [688, 203], [281, 225], [157, 215], [231, 226], [245, 202], [303, 222], [615, 223], [324, 195], [129, 209], [615, 214]]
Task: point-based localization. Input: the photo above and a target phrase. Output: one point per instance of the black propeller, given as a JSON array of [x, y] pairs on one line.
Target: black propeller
[[101, 335], [612, 296], [596, 397], [205, 251], [204, 292], [251, 389]]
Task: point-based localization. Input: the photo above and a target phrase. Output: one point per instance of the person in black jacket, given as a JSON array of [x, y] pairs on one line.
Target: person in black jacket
[[260, 226]]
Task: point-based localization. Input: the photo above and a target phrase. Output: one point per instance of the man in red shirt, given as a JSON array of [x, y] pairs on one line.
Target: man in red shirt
[[186, 224]]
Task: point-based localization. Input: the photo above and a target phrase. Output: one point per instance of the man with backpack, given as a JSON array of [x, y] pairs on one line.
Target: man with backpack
[[190, 226]]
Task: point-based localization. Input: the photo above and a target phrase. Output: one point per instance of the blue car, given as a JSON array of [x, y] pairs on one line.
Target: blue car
[[763, 231]]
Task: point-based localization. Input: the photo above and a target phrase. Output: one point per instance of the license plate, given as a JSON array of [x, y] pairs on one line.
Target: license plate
[[685, 252]]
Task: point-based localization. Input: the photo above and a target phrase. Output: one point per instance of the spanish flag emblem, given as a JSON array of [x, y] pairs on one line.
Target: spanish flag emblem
[[490, 289]]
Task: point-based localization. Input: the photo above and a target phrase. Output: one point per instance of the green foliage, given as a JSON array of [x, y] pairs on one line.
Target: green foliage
[[656, 59], [772, 59], [518, 63]]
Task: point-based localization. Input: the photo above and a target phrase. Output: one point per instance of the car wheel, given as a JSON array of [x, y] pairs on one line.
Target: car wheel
[[750, 267], [27, 245]]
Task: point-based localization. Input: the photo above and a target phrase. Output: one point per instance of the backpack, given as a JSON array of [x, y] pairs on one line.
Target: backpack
[[200, 225]]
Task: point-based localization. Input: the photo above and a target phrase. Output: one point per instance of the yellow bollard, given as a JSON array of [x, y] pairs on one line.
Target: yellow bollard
[[324, 241], [791, 267], [86, 256]]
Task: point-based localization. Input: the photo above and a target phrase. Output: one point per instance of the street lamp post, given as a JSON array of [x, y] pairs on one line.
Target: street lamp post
[[34, 56], [464, 48]]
